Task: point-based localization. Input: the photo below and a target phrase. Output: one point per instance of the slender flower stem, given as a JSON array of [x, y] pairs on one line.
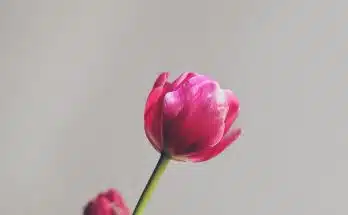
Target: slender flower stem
[[151, 184]]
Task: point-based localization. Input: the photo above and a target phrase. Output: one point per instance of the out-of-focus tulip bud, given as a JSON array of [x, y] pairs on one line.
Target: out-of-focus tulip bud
[[110, 202]]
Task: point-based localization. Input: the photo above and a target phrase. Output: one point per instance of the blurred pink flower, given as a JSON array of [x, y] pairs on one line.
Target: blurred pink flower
[[190, 118], [110, 202]]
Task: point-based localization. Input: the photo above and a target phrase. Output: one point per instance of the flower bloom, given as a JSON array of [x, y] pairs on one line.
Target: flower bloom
[[107, 203], [190, 118]]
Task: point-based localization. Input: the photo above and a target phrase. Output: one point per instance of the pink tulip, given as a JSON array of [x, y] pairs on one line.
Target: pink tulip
[[190, 118], [107, 203]]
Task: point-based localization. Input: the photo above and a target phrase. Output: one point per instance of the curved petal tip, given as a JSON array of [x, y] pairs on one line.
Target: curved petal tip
[[161, 79]]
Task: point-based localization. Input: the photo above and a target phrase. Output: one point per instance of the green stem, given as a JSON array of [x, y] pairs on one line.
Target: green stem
[[151, 184]]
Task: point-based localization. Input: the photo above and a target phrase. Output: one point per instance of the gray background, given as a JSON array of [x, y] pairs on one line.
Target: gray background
[[74, 76]]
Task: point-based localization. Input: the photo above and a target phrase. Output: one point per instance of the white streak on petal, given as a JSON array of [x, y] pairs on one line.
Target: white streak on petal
[[221, 103], [220, 97], [172, 104]]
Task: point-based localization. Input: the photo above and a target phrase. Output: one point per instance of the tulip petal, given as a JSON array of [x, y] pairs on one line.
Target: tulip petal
[[153, 117], [107, 203], [192, 85], [204, 98], [200, 121], [101, 206], [217, 149], [118, 203], [113, 196], [233, 109], [172, 104], [182, 79], [161, 80]]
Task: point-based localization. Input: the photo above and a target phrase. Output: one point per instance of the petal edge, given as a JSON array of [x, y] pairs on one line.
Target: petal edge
[[218, 148]]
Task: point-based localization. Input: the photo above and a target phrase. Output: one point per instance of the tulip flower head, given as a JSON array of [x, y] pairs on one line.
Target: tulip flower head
[[191, 118], [107, 203]]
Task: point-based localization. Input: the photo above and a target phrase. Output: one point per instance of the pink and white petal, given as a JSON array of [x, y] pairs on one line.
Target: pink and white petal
[[217, 149], [198, 89], [221, 103], [183, 78], [233, 109], [201, 122], [207, 99], [172, 104], [161, 80]]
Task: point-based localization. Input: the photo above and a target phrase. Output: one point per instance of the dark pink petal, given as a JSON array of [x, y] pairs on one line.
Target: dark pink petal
[[217, 149], [99, 206], [153, 117], [152, 98], [161, 80], [114, 196], [107, 203], [103, 206], [233, 109], [89, 209], [200, 122], [182, 78]]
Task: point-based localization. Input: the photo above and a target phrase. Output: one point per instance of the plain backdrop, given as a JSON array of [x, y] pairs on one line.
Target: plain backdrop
[[74, 76]]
